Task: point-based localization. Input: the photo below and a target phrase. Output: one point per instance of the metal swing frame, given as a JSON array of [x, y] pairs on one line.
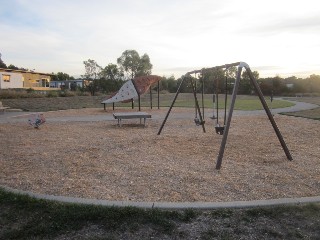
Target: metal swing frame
[[253, 81], [194, 86], [220, 129]]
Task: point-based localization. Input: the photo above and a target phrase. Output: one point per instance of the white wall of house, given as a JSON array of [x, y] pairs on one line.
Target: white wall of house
[[11, 80]]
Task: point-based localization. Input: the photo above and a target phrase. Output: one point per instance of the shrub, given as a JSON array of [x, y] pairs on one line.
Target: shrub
[[9, 94], [66, 93], [20, 93], [82, 93], [30, 90], [52, 94]]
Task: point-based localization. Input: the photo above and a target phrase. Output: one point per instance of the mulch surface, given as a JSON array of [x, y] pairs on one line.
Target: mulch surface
[[102, 161]]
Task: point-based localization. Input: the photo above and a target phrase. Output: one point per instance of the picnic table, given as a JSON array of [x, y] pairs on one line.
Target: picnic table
[[131, 115]]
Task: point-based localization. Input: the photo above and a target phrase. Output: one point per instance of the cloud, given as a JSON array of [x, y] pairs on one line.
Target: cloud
[[300, 25], [178, 35]]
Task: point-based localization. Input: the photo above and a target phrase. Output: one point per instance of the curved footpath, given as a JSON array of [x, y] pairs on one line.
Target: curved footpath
[[171, 205], [298, 106], [16, 117]]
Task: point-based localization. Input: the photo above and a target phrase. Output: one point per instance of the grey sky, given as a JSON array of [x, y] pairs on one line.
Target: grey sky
[[273, 37]]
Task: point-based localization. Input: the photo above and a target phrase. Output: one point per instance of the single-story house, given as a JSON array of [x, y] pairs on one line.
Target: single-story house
[[69, 84], [11, 78]]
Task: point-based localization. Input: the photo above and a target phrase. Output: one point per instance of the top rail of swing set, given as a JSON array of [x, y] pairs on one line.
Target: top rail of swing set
[[217, 67]]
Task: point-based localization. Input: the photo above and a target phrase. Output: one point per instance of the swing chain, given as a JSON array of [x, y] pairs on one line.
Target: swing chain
[[220, 129]]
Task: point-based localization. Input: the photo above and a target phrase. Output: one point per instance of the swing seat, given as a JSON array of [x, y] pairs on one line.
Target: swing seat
[[198, 122], [219, 130]]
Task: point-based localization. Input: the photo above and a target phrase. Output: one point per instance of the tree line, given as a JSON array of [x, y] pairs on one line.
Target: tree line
[[130, 64], [111, 77], [218, 80]]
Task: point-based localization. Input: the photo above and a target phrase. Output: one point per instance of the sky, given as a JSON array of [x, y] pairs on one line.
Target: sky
[[275, 37]]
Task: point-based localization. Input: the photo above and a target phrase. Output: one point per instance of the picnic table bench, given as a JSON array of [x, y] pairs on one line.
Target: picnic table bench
[[131, 115]]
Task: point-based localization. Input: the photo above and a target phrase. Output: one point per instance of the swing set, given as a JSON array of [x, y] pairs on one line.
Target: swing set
[[224, 129], [219, 128]]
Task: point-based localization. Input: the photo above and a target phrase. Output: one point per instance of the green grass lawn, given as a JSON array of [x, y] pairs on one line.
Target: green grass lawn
[[22, 217], [314, 100], [183, 100], [312, 113], [187, 100]]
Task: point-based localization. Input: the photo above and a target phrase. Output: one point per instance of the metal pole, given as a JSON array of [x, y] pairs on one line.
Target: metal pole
[[150, 98], [271, 119], [214, 106], [174, 100], [139, 99], [194, 89], [158, 94], [197, 106], [225, 99], [217, 101], [206, 69], [202, 96], [226, 128]]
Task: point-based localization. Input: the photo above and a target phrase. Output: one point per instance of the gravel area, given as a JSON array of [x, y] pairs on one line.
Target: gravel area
[[97, 159]]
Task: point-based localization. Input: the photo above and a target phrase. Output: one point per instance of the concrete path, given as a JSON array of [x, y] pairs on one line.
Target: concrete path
[[299, 106], [23, 116], [171, 205]]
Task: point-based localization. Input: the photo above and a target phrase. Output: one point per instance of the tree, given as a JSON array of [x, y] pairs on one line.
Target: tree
[[63, 76], [92, 69], [266, 86], [167, 84], [278, 86], [110, 78], [245, 86], [145, 66], [2, 64], [214, 80], [131, 63], [172, 84], [111, 72], [11, 66], [314, 83]]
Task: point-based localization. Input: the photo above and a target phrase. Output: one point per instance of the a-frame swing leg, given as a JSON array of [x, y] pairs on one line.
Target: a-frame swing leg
[[227, 126], [197, 105], [265, 106], [270, 116], [174, 100]]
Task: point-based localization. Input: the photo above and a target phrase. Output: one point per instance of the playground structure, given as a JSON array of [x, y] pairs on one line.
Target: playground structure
[[134, 88], [224, 130]]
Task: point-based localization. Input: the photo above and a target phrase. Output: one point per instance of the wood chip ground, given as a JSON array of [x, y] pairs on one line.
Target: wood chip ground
[[99, 160]]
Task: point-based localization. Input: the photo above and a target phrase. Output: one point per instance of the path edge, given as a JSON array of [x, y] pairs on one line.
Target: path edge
[[168, 205]]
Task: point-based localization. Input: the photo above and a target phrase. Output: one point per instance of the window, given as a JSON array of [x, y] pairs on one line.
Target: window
[[45, 82], [6, 78]]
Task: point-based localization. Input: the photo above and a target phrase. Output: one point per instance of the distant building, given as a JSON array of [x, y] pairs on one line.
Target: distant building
[[69, 84], [290, 85], [11, 78]]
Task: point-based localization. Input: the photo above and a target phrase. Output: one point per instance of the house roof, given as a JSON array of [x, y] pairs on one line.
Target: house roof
[[23, 71]]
